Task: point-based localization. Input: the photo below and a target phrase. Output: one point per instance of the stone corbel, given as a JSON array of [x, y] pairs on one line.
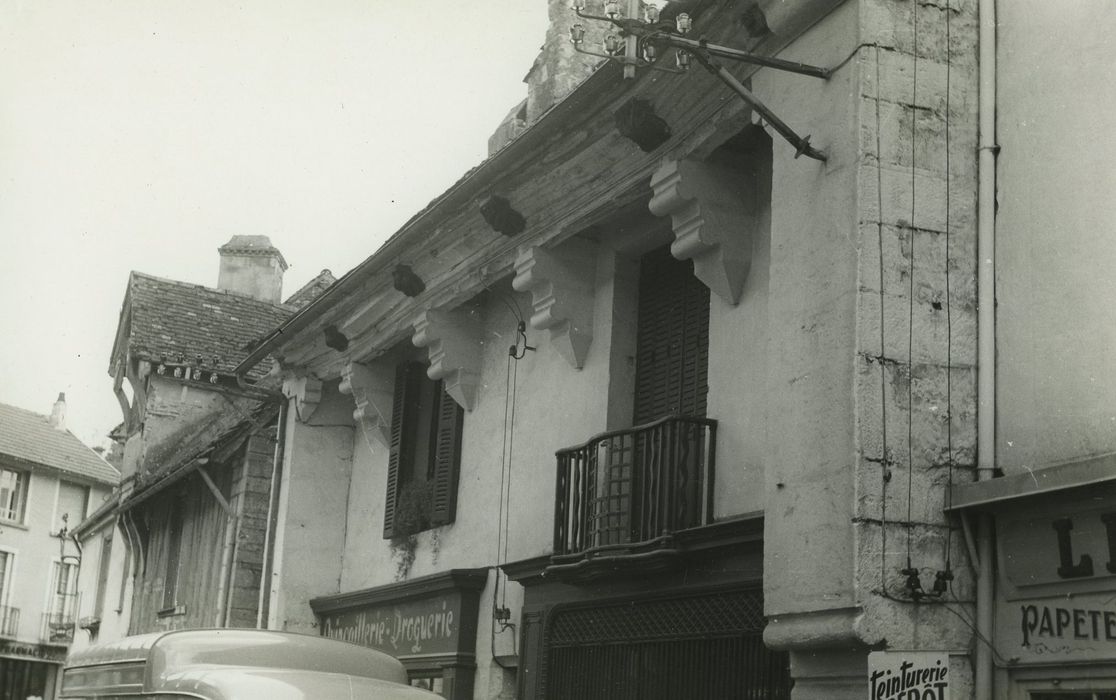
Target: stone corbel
[[371, 389], [713, 211], [561, 283], [453, 340], [304, 388]]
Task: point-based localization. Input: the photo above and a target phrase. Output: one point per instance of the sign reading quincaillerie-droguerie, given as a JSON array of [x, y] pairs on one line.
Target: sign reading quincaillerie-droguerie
[[908, 675], [428, 626]]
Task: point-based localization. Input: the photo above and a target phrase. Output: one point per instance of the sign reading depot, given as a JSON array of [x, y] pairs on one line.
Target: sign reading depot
[[908, 675], [428, 626]]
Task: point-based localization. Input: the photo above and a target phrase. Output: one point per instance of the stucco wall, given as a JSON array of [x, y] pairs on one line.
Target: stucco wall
[[314, 493], [36, 550], [114, 616], [1056, 323]]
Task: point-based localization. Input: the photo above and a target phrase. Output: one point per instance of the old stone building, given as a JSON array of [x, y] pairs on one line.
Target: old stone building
[[49, 482], [646, 405], [669, 415]]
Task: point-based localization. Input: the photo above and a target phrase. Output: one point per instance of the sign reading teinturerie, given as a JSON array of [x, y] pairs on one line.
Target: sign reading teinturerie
[[908, 675]]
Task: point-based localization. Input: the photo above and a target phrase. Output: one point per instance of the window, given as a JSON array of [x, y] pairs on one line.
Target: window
[[672, 343], [9, 617], [72, 502], [63, 591], [424, 454], [13, 495]]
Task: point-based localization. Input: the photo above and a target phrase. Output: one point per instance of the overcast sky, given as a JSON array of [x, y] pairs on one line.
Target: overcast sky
[[143, 134]]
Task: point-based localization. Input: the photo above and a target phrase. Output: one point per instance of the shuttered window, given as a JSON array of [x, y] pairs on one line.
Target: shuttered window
[[672, 351], [424, 454]]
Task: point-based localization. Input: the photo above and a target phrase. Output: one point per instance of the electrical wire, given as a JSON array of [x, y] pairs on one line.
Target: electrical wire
[[884, 460], [948, 302], [911, 287]]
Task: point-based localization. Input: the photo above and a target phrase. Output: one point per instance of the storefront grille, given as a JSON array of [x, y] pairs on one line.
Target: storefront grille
[[703, 646], [707, 615]]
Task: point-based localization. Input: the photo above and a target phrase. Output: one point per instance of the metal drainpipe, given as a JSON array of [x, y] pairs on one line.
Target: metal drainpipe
[[986, 339]]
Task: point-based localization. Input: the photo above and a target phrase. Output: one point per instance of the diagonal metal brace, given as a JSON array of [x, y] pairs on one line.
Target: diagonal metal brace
[[801, 143]]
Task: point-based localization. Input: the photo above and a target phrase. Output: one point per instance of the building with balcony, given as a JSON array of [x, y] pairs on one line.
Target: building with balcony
[[646, 406], [49, 482]]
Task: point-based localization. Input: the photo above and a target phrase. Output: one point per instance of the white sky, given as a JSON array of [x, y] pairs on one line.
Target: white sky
[[143, 134]]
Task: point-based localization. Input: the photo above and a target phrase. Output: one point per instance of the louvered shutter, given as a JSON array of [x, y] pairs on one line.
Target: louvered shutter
[[400, 449], [447, 458], [672, 351]]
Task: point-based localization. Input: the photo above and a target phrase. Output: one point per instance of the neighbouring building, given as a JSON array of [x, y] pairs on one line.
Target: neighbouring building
[[49, 482], [182, 543]]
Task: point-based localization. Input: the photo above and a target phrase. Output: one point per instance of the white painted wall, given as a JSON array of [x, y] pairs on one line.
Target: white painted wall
[[1055, 244]]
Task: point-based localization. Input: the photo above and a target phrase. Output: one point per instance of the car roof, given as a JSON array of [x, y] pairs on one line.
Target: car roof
[[282, 684], [166, 655]]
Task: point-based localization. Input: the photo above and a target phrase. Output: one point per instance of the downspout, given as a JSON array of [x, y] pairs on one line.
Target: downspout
[[986, 339], [263, 607]]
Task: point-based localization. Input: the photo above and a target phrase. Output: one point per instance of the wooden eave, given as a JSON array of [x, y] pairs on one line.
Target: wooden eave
[[568, 171]]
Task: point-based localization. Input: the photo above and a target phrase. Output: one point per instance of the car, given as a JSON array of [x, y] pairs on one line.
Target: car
[[235, 664]]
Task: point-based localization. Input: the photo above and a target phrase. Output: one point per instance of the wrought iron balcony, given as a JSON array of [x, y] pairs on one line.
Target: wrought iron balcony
[[58, 628], [624, 493], [9, 621]]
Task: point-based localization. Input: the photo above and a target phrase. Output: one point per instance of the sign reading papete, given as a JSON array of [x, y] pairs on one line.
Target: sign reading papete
[[908, 675]]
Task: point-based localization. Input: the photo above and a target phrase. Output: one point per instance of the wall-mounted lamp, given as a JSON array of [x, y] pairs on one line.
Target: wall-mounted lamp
[[639, 43], [405, 280], [335, 339], [500, 215], [636, 120]]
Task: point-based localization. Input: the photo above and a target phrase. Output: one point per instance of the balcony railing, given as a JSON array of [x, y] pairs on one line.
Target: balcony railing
[[58, 628], [9, 621], [630, 487]]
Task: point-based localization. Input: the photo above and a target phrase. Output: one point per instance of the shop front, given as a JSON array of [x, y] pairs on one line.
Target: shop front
[[1055, 599], [29, 670], [428, 623], [680, 619]]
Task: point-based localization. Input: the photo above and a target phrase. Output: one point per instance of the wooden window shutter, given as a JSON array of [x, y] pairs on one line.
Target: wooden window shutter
[[672, 346], [447, 459], [400, 449]]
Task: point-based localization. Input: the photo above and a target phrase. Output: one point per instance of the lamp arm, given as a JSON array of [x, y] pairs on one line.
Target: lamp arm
[[692, 45], [801, 143]]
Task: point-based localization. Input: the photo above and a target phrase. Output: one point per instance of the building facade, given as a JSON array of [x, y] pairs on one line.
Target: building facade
[[648, 406], [49, 482], [695, 405], [182, 542]]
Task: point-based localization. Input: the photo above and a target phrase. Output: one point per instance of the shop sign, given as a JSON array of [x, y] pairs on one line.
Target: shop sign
[[908, 675], [1077, 628], [37, 652], [427, 626], [1070, 547]]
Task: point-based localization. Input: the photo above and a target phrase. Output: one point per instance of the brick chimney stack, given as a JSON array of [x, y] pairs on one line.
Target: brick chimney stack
[[58, 413], [251, 266]]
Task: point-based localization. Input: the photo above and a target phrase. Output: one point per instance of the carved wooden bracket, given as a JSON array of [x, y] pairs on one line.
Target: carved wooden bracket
[[561, 282], [713, 210], [304, 388], [371, 388], [453, 340]]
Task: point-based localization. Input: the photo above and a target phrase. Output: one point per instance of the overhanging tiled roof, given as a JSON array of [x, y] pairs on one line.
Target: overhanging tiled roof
[[178, 321], [28, 437]]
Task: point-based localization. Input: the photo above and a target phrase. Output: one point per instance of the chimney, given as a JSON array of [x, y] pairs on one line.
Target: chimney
[[58, 413], [251, 266], [559, 68]]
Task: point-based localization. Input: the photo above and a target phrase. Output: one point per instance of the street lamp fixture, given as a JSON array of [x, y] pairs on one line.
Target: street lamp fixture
[[639, 43]]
